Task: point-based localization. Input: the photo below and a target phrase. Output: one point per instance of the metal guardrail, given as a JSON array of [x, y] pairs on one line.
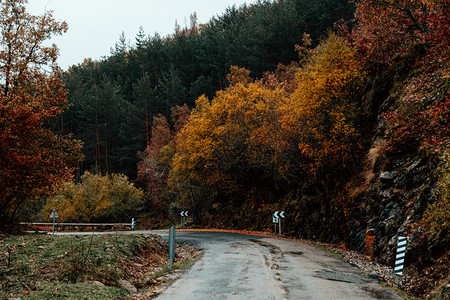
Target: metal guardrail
[[77, 226]]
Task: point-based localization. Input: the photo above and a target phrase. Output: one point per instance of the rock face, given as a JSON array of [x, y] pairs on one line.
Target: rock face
[[387, 176], [395, 200], [127, 285], [392, 201]]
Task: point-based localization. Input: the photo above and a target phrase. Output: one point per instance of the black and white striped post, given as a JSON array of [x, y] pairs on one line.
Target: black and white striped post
[[400, 257]]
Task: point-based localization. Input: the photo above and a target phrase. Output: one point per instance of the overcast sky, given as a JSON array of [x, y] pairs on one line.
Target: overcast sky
[[95, 25]]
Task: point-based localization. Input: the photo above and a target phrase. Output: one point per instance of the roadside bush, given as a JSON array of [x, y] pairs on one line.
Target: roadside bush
[[96, 198]]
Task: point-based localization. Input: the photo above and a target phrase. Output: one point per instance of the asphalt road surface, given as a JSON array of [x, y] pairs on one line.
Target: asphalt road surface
[[237, 266]]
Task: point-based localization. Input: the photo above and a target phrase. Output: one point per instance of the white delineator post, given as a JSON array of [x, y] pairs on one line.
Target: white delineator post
[[400, 257]]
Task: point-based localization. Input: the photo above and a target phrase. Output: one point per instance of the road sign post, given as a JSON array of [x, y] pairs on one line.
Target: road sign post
[[132, 224], [275, 222], [278, 215], [279, 226], [274, 219], [183, 215], [54, 215]]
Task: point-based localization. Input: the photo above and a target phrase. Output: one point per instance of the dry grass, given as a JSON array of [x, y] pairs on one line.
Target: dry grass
[[86, 267], [367, 175]]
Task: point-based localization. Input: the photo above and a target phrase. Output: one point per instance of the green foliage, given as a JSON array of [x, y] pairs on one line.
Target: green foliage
[[102, 118], [254, 139], [114, 100], [110, 198]]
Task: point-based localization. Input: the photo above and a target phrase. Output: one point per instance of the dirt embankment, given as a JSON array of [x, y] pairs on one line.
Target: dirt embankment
[[92, 267]]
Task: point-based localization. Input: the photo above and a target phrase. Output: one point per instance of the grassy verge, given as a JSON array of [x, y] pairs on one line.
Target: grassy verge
[[85, 267]]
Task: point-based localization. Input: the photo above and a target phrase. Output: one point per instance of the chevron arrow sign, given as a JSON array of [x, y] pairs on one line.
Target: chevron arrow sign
[[184, 213], [279, 214]]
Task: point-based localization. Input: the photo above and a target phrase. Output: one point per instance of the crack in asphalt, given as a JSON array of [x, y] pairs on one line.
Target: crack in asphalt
[[275, 252], [236, 266]]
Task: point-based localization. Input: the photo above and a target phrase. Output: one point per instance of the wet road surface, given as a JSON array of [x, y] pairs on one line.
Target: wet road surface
[[238, 266]]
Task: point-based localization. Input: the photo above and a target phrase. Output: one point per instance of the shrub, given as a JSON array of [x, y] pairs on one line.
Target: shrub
[[95, 198]]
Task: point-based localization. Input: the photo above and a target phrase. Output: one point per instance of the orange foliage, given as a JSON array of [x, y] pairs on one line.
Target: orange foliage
[[322, 113], [255, 132], [236, 131], [154, 164], [386, 28], [32, 158]]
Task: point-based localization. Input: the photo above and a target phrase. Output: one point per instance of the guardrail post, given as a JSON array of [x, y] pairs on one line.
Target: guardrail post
[[171, 247]]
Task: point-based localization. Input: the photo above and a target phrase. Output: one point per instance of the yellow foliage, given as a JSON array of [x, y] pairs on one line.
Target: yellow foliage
[[250, 128], [321, 112], [95, 198], [229, 133]]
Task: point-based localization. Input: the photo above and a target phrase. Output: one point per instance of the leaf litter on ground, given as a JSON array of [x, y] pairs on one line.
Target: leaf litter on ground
[[91, 267]]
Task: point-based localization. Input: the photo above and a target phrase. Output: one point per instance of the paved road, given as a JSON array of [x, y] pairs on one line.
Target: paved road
[[237, 266], [247, 267]]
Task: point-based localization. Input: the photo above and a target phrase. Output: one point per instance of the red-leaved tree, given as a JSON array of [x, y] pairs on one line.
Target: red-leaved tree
[[33, 160], [386, 28], [154, 164]]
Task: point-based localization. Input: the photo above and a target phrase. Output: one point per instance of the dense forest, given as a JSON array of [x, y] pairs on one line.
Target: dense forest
[[335, 111], [115, 100]]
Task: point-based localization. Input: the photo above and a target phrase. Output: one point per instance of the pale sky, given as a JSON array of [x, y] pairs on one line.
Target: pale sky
[[95, 25]]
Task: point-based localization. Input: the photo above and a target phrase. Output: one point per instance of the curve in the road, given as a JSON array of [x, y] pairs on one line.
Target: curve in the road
[[237, 266]]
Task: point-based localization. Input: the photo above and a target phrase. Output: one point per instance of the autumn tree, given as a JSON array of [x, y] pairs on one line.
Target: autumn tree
[[95, 198], [32, 158], [154, 164], [323, 112], [412, 38], [159, 72], [254, 139], [231, 146], [386, 28]]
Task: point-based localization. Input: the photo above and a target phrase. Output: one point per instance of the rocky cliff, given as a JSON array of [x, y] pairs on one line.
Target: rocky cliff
[[395, 195]]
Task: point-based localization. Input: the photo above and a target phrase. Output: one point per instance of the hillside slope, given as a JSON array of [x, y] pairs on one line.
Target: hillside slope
[[403, 187]]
